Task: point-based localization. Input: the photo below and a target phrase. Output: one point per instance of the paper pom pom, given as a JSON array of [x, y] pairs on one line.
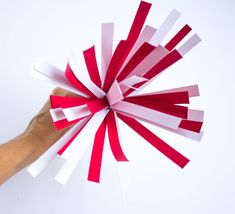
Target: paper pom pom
[[111, 94]]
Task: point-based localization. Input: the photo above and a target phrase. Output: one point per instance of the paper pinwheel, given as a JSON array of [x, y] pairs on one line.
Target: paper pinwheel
[[111, 94]]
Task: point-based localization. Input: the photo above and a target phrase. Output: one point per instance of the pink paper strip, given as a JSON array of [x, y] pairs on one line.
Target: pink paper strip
[[165, 27], [160, 66], [137, 58], [145, 36], [74, 113], [191, 43], [193, 91], [130, 81], [153, 58], [114, 94], [57, 114], [147, 114], [106, 47], [195, 115]]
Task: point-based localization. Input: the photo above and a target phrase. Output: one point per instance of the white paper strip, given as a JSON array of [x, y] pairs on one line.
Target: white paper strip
[[114, 94], [153, 58], [192, 90], [189, 134], [40, 164], [186, 133], [76, 112], [165, 27], [191, 43], [57, 114], [83, 76], [195, 115], [183, 132], [79, 145], [76, 150], [53, 75], [133, 80], [65, 172], [145, 36], [185, 48], [106, 47], [147, 114]]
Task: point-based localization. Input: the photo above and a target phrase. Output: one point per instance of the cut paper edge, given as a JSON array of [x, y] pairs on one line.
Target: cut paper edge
[[40, 69], [41, 163], [84, 77], [106, 47], [165, 28]]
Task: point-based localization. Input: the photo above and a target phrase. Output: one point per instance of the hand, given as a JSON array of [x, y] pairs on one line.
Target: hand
[[41, 128], [40, 135]]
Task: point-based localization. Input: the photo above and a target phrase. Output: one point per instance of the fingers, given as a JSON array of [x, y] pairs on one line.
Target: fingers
[[57, 92]]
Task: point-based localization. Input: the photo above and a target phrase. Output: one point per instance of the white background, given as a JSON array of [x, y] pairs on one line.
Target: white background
[[150, 182]]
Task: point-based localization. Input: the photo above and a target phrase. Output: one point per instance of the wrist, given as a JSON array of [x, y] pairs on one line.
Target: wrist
[[33, 144]]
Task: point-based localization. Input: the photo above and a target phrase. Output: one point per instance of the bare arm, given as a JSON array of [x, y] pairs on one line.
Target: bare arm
[[32, 143]]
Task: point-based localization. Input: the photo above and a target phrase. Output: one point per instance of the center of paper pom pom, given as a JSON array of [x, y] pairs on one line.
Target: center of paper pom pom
[[109, 95]]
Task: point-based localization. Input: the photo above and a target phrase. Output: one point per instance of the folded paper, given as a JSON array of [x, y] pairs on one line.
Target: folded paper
[[112, 94]]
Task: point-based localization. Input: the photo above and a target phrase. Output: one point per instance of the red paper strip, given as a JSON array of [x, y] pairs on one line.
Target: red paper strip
[[173, 97], [66, 102], [124, 47], [140, 54], [75, 82], [155, 141], [61, 151], [166, 62], [113, 137], [96, 155], [175, 110], [97, 105], [178, 38], [116, 62], [194, 126], [61, 124], [91, 64], [139, 21]]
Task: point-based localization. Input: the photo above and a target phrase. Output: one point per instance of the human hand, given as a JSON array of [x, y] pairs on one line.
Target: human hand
[[39, 136], [41, 128]]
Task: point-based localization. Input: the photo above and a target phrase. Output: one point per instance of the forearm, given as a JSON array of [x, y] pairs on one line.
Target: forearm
[[39, 136], [18, 153]]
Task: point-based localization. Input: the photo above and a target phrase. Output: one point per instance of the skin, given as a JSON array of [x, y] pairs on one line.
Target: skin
[[38, 137]]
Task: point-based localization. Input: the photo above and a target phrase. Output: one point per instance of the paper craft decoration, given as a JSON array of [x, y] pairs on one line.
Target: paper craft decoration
[[112, 93]]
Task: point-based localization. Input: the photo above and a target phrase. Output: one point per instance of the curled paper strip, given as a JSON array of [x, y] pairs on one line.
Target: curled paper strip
[[111, 94]]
